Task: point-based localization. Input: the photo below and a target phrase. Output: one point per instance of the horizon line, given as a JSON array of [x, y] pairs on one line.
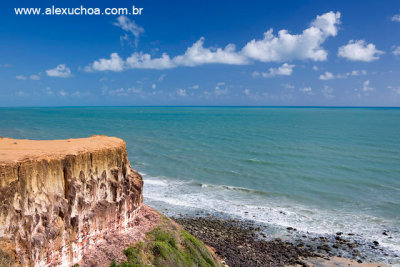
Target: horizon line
[[201, 106]]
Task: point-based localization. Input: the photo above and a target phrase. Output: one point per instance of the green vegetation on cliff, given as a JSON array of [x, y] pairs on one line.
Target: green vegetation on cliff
[[168, 245]]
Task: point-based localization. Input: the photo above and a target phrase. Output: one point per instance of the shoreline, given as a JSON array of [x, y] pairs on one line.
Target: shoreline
[[244, 243]]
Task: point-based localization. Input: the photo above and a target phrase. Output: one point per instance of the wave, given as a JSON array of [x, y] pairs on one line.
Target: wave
[[276, 211], [235, 188]]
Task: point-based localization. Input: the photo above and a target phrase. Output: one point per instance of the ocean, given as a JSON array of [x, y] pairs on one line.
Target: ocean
[[320, 170]]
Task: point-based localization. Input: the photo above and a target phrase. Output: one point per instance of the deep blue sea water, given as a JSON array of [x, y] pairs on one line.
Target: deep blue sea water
[[320, 170]]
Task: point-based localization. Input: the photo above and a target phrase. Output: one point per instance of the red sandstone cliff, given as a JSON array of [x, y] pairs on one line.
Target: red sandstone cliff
[[59, 198]]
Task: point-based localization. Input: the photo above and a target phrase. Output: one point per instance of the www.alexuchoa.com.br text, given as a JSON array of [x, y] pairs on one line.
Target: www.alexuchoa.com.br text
[[77, 11]]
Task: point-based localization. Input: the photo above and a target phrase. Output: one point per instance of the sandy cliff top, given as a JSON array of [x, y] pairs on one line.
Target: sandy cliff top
[[16, 150]]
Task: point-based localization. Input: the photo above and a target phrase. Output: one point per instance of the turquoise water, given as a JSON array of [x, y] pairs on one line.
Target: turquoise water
[[321, 170]]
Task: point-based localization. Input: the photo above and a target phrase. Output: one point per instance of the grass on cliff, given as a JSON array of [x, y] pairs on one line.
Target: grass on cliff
[[168, 245]]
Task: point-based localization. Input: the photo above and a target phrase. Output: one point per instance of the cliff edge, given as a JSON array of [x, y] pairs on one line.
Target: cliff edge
[[59, 198]]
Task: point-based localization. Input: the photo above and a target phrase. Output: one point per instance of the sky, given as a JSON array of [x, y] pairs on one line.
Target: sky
[[261, 53]]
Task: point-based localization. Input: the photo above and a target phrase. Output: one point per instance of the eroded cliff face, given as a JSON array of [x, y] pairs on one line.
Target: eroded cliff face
[[59, 198]]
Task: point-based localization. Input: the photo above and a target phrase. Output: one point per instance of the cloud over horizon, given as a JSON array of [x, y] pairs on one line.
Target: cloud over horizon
[[359, 51], [61, 71], [283, 47]]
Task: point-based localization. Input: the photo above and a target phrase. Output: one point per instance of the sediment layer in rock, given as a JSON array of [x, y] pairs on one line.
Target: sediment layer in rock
[[59, 198]]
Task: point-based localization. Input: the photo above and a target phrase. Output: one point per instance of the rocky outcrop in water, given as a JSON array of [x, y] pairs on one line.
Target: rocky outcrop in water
[[59, 198]]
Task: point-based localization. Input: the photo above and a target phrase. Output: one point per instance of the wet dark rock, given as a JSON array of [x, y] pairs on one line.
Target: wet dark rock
[[239, 245], [376, 243], [339, 233]]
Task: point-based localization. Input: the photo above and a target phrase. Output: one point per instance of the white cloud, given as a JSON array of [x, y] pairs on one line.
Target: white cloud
[[396, 18], [154, 86], [20, 77], [24, 78], [144, 61], [326, 76], [356, 73], [366, 87], [329, 75], [181, 92], [62, 93], [162, 77], [220, 91], [196, 86], [327, 92], [124, 92], [247, 92], [129, 26], [359, 51], [285, 46], [114, 63], [61, 71], [284, 70], [198, 55], [396, 90], [288, 86], [396, 50], [315, 68], [306, 90], [22, 94], [34, 77]]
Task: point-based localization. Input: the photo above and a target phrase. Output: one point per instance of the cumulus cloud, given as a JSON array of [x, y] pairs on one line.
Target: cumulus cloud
[[22, 94], [327, 92], [129, 26], [61, 71], [283, 47], [219, 89], [24, 78], [396, 50], [124, 92], [326, 76], [20, 77], [194, 56], [286, 46], [62, 93], [181, 92], [359, 51], [195, 87], [396, 18], [395, 90], [288, 86], [366, 88], [329, 75], [114, 63], [284, 70], [198, 55], [34, 77], [306, 90]]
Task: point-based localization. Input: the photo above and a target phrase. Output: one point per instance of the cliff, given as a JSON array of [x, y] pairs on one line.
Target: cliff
[[59, 198]]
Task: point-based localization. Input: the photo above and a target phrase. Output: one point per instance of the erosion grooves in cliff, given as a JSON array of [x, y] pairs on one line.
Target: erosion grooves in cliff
[[58, 198]]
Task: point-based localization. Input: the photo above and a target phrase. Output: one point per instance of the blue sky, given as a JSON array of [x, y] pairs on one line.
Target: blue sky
[[345, 53]]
